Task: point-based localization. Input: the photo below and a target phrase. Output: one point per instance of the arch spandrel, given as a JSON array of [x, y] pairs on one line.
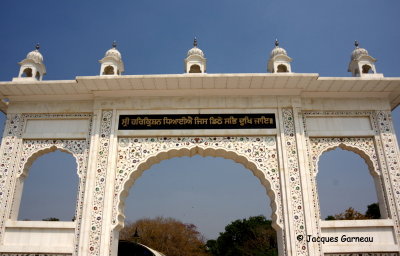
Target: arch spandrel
[[364, 147], [32, 149], [259, 154]]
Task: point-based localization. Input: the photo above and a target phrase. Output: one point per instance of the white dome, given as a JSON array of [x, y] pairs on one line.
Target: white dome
[[113, 52], [35, 55], [358, 52], [195, 50], [277, 50]]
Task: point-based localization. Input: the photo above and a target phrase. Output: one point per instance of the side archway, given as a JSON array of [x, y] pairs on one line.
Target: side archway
[[364, 147], [48, 187], [33, 149]]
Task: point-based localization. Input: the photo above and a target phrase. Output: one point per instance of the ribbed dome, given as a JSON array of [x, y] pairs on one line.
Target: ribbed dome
[[195, 50], [358, 52], [113, 52], [35, 55], [277, 50]]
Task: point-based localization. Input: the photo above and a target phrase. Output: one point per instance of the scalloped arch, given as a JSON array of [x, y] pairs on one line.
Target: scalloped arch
[[364, 148], [32, 149], [144, 157], [33, 156]]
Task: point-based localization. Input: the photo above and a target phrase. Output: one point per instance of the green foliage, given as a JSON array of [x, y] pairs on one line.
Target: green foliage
[[350, 214], [373, 211], [254, 236], [330, 217], [51, 219]]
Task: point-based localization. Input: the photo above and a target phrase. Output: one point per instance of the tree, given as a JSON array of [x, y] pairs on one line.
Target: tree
[[254, 236], [51, 219], [167, 235], [372, 212], [330, 217], [350, 214]]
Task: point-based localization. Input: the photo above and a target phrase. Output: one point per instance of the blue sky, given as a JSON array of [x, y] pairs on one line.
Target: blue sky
[[236, 37]]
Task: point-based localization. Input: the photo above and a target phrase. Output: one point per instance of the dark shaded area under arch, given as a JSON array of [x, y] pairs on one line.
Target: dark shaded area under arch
[[127, 248]]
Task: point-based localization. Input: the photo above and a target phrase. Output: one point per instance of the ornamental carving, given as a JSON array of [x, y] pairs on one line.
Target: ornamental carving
[[389, 155], [380, 153], [13, 164], [9, 149], [259, 154], [32, 149], [364, 147], [100, 183], [295, 189]]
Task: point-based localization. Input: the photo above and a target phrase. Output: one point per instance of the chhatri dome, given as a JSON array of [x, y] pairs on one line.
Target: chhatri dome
[[195, 61], [279, 61], [32, 67], [112, 63], [113, 52], [35, 55], [358, 52], [195, 50], [361, 63], [277, 50]]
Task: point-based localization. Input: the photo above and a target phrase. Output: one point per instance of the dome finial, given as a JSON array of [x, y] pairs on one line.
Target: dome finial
[[37, 46], [114, 44], [276, 42], [195, 42], [356, 43]]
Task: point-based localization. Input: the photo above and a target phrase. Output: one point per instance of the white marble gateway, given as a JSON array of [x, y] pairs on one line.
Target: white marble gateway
[[311, 115]]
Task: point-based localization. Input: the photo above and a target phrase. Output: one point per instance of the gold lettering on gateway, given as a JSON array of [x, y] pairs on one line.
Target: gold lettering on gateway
[[125, 122], [263, 120], [176, 121], [199, 120], [230, 120], [245, 120], [215, 120], [166, 121], [140, 121]]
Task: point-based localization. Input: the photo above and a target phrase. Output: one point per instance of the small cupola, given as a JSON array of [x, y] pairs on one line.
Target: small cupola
[[361, 63], [112, 64], [195, 61], [32, 67], [279, 61]]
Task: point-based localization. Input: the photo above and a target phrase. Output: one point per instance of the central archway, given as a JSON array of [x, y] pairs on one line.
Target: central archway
[[258, 154]]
